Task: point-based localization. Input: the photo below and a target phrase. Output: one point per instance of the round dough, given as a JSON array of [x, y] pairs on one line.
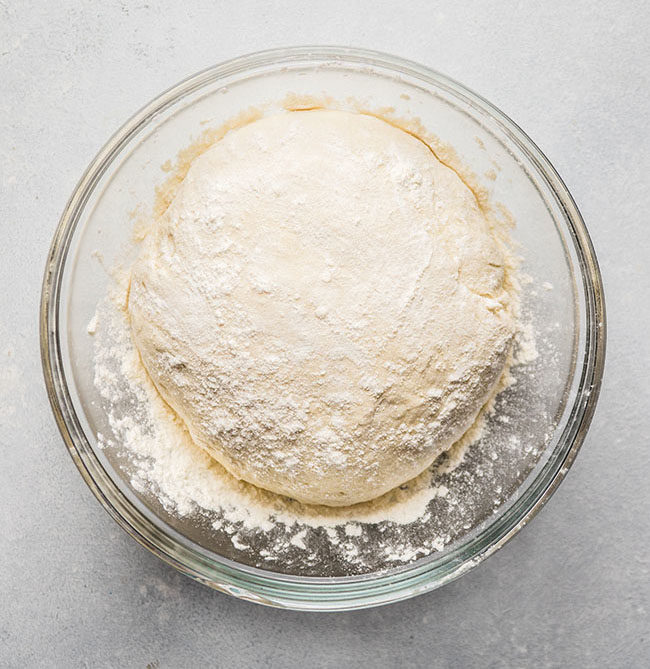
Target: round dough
[[324, 304]]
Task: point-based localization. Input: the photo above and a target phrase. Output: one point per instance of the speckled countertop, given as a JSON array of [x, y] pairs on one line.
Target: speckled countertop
[[573, 588]]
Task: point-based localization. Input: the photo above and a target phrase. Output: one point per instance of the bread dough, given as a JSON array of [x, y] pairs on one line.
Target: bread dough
[[324, 304]]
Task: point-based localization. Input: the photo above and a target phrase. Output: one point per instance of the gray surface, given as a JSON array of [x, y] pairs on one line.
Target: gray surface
[[573, 589]]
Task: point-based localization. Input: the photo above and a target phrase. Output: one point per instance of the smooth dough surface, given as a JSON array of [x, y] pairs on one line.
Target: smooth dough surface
[[324, 304]]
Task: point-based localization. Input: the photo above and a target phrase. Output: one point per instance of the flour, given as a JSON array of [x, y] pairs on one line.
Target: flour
[[167, 465], [186, 477]]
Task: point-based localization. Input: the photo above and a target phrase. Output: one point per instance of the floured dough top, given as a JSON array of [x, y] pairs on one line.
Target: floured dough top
[[324, 304]]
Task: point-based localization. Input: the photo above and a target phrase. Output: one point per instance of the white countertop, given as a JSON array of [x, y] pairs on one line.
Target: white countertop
[[573, 588]]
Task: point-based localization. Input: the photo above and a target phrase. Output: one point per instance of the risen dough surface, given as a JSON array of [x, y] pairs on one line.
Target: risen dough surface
[[324, 304]]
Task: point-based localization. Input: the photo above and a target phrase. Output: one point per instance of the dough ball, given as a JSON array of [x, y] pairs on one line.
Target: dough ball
[[324, 304]]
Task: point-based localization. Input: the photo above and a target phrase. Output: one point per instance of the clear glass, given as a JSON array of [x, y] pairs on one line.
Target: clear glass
[[551, 405]]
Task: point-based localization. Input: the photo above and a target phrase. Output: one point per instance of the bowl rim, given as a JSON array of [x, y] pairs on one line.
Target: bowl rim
[[303, 592]]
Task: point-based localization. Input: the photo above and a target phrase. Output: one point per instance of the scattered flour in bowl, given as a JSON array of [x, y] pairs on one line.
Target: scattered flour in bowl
[[163, 464]]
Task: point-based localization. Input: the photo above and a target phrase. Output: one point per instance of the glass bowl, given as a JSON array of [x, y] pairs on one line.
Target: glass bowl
[[550, 406]]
